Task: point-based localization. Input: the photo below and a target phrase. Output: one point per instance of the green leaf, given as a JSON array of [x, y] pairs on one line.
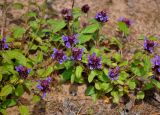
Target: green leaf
[[68, 64], [72, 78], [15, 54], [9, 103], [76, 13], [102, 77], [23, 110], [76, 26], [34, 24], [123, 27], [66, 75], [137, 68], [19, 90], [3, 111], [94, 97], [33, 47], [56, 38], [106, 60], [28, 84], [32, 14], [1, 76], [123, 63], [40, 72], [107, 87], [96, 50], [90, 91], [105, 71], [36, 98], [44, 48], [123, 76], [116, 42], [57, 25], [90, 29], [97, 85], [84, 38], [6, 90], [140, 95], [18, 5], [48, 71], [79, 71], [18, 32], [116, 97], [39, 57], [117, 57], [120, 82], [91, 76], [138, 55], [7, 69], [38, 39], [35, 37], [148, 86], [132, 84], [156, 83], [147, 64]]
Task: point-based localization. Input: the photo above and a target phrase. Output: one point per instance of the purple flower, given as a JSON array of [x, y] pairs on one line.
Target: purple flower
[[101, 16], [3, 44], [126, 21], [64, 11], [156, 63], [44, 86], [23, 71], [68, 17], [70, 40], [59, 55], [94, 62], [67, 14], [77, 54], [149, 45], [85, 8], [113, 73]]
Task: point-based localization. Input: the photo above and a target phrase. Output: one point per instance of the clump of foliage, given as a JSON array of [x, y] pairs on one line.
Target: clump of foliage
[[77, 53]]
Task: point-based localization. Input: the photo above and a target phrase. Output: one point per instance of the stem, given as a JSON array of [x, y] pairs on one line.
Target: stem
[[43, 16], [73, 2], [97, 39], [4, 18]]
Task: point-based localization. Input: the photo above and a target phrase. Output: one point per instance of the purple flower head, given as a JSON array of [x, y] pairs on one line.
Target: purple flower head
[[77, 54], [70, 40], [94, 62], [3, 44], [156, 63], [44, 86], [85, 8], [84, 24], [68, 17], [67, 14], [126, 21], [64, 11], [23, 71], [101, 16], [149, 45], [59, 55], [114, 73]]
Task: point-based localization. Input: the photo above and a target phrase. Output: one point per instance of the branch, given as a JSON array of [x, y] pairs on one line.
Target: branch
[[73, 1]]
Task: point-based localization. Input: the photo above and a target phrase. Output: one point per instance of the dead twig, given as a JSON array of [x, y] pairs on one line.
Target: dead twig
[[80, 109], [73, 2]]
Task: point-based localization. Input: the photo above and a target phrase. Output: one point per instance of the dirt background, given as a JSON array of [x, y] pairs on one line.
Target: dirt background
[[66, 99]]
